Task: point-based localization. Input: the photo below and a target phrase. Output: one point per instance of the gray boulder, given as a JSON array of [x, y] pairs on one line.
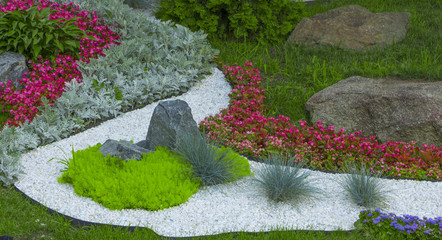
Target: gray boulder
[[352, 27], [122, 149], [391, 109], [170, 120], [12, 67]]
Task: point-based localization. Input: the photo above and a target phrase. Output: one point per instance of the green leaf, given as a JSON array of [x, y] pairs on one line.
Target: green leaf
[[15, 43], [14, 24], [45, 12], [72, 43], [36, 50], [91, 38], [33, 12], [35, 41], [27, 41], [59, 45], [10, 33], [118, 94], [21, 49], [34, 33], [108, 13], [49, 38], [21, 26]]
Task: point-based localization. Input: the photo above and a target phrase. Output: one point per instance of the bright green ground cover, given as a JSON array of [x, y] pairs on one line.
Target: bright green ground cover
[[160, 180], [291, 75]]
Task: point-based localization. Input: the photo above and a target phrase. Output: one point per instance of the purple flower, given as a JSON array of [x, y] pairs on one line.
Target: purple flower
[[411, 227], [370, 214], [399, 227], [410, 219], [427, 231], [376, 220], [431, 221]]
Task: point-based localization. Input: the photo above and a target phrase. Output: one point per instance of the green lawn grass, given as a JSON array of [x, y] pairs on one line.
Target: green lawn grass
[[291, 75], [24, 219]]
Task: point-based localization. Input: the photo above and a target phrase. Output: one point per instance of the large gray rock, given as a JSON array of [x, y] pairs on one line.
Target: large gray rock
[[397, 110], [12, 67], [352, 27], [122, 149], [170, 120]]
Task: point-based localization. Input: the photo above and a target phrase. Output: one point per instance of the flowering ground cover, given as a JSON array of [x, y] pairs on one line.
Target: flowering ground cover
[[390, 226], [244, 128], [47, 78]]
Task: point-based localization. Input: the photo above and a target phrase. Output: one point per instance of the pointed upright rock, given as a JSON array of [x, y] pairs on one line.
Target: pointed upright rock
[[170, 119]]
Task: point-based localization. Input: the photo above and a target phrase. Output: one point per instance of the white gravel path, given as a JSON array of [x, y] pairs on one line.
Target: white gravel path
[[227, 208]]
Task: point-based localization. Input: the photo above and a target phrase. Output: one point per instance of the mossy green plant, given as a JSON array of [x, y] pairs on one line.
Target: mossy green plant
[[158, 181]]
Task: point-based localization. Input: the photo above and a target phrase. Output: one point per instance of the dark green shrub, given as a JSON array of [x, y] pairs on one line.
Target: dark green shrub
[[210, 164], [160, 180], [31, 33], [267, 21]]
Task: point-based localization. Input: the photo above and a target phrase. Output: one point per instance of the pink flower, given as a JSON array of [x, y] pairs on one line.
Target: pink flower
[[324, 147], [48, 78]]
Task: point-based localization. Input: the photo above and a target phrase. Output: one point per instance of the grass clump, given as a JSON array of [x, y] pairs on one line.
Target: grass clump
[[364, 187], [160, 180], [212, 165], [283, 181]]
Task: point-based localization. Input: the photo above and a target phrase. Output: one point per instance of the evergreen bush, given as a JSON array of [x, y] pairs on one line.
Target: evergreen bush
[[267, 21]]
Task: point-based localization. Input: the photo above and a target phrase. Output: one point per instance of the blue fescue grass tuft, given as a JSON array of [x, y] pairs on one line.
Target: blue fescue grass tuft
[[364, 187], [284, 181], [212, 165]]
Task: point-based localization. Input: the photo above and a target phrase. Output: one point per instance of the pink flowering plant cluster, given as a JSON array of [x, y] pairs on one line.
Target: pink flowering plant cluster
[[244, 128], [47, 78]]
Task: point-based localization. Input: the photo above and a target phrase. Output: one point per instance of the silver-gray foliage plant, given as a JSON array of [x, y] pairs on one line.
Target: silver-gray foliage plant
[[364, 187], [283, 180], [155, 59], [212, 166]]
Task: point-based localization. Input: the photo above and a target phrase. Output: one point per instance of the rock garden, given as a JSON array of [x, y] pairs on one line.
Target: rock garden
[[222, 119]]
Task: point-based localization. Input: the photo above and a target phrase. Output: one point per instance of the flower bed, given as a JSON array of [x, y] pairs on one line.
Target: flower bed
[[244, 128], [47, 78], [390, 226]]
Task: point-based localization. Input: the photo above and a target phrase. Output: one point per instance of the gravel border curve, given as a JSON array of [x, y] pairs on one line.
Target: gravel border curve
[[233, 207]]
